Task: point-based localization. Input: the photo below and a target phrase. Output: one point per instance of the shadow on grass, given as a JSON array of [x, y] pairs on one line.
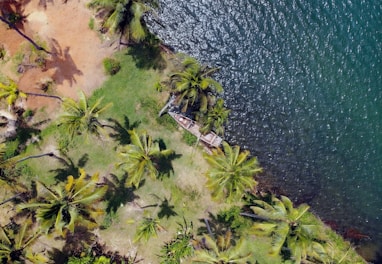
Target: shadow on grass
[[26, 131], [147, 55], [75, 244], [78, 241], [164, 163], [121, 131], [118, 194], [214, 225], [57, 256], [166, 210], [70, 168], [164, 207]]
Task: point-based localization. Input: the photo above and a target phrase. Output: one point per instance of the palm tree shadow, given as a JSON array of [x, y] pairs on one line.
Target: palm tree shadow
[[117, 193], [214, 226], [78, 241], [57, 256], [25, 133], [25, 130], [70, 168], [121, 131], [164, 163], [166, 210], [147, 55], [62, 62]]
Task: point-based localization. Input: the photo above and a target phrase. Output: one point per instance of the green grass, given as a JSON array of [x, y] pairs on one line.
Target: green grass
[[91, 23], [126, 88]]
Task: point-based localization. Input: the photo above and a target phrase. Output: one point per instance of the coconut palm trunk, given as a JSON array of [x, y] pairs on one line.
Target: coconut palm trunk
[[49, 154], [11, 25], [10, 199], [45, 95]]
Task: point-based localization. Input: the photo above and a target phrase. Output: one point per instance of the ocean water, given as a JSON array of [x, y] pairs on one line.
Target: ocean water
[[303, 79]]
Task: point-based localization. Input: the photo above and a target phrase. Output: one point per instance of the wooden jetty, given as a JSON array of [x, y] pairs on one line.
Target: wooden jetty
[[211, 139]]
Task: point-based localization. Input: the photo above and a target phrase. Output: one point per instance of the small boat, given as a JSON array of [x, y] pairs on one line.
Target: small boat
[[211, 139]]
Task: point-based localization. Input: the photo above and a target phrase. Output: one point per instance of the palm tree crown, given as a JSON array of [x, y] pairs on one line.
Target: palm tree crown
[[14, 245], [80, 117], [147, 229], [221, 251], [125, 16], [10, 92], [139, 157], [231, 173], [194, 87], [291, 227], [215, 118], [66, 206]]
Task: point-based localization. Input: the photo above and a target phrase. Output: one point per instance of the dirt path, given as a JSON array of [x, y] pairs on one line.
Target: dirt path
[[73, 65]]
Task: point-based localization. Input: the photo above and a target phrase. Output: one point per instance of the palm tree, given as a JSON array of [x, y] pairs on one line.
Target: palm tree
[[11, 93], [290, 227], [147, 229], [179, 248], [221, 251], [63, 207], [80, 117], [231, 172], [14, 245], [215, 118], [125, 16], [194, 87], [337, 255], [140, 157]]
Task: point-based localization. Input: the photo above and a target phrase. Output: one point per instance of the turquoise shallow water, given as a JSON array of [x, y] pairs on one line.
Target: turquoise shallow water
[[303, 80]]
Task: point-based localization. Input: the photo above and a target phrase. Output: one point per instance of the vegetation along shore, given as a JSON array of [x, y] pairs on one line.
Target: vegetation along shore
[[91, 174]]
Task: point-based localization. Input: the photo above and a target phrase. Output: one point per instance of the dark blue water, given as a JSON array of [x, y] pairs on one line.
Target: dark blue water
[[303, 80]]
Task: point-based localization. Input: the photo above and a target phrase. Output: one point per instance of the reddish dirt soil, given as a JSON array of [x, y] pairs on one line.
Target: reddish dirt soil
[[77, 51]]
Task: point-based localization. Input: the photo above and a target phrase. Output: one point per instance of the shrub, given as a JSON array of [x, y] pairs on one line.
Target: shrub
[[28, 113], [91, 23], [233, 219], [3, 52], [46, 85], [189, 138], [89, 260], [168, 122], [112, 66]]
